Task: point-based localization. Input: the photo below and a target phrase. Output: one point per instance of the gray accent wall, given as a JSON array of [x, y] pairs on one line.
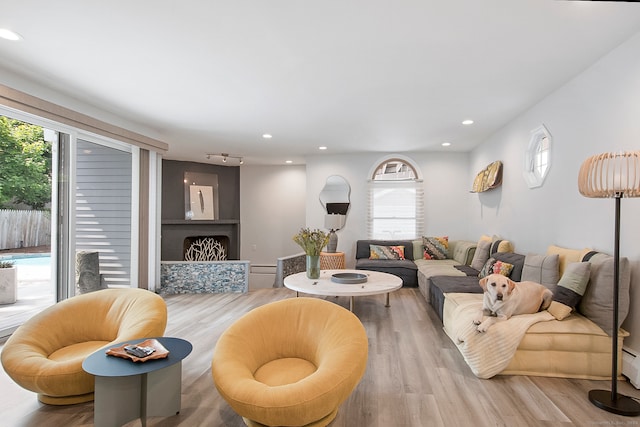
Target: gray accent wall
[[174, 226]]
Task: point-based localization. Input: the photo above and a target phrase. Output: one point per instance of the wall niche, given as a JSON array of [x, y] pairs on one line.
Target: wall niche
[[175, 225]]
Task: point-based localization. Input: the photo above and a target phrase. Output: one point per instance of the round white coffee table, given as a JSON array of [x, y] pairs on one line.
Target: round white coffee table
[[377, 283]]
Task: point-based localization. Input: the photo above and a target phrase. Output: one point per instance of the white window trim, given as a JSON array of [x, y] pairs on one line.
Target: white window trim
[[417, 184], [531, 175]]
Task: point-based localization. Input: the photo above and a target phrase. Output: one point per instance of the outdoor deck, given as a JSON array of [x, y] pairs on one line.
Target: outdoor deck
[[35, 292]]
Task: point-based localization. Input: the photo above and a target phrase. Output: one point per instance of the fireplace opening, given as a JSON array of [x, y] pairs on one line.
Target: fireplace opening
[[205, 248]]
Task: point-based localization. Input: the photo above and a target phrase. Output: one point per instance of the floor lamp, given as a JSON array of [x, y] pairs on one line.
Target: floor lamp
[[615, 175]]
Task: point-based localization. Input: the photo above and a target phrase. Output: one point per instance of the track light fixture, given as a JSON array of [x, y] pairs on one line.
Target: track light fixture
[[225, 157]]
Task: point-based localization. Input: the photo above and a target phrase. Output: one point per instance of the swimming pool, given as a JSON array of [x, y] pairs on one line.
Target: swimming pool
[[28, 259]]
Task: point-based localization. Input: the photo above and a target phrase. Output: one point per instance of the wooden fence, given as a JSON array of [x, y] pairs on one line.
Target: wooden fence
[[23, 229]]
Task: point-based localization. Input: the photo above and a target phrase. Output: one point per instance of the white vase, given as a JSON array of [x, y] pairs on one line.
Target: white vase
[[8, 285]]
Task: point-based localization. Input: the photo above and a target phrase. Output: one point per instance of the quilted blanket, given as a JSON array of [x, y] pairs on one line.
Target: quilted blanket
[[489, 353]]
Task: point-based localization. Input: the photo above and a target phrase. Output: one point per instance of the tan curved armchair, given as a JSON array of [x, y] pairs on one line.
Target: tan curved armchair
[[45, 354], [291, 362]]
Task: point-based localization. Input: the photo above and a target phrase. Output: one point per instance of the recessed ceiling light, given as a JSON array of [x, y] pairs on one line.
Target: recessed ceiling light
[[467, 122], [446, 144], [322, 148], [267, 136], [289, 162], [9, 35]]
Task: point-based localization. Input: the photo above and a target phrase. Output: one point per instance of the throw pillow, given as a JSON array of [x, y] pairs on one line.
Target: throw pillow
[[543, 269], [487, 268], [386, 252], [512, 258], [559, 310], [572, 285], [501, 267], [567, 255], [481, 255], [497, 244], [597, 302], [493, 266], [435, 247]]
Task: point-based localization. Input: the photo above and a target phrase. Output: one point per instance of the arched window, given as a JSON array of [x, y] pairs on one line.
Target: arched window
[[395, 201]]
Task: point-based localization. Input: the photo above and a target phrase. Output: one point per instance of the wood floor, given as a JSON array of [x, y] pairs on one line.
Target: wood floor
[[415, 375]]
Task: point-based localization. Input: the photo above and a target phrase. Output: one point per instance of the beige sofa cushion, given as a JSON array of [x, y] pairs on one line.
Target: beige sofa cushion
[[567, 255], [572, 348], [462, 251], [440, 267]]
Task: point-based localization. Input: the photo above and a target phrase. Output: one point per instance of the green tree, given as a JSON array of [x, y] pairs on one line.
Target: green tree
[[25, 164]]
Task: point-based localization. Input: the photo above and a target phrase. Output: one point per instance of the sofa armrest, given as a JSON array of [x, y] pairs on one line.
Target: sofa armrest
[[462, 251]]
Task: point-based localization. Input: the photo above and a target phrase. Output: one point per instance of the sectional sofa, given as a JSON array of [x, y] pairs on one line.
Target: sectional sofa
[[569, 340]]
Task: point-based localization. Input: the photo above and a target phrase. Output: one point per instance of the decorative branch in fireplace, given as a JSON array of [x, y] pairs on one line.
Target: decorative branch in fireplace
[[206, 249]]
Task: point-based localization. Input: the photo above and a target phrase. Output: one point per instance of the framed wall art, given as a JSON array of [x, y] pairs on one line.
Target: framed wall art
[[200, 196]]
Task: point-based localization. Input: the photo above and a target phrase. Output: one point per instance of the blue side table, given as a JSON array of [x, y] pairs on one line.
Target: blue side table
[[127, 390]]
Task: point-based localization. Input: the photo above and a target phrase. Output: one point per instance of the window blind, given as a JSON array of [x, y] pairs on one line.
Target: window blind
[[396, 209]]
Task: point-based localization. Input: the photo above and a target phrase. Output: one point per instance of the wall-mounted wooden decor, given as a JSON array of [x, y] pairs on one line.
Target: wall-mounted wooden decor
[[488, 178]]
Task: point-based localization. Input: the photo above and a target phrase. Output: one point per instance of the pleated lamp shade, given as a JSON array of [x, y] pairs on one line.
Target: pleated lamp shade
[[609, 174]]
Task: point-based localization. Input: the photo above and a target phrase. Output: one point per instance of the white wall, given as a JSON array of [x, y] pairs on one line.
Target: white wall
[[597, 111], [272, 210], [446, 185]]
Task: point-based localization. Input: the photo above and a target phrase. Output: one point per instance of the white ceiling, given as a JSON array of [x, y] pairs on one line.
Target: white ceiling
[[353, 75]]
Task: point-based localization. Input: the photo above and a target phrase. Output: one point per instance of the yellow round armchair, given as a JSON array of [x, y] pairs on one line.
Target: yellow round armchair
[[45, 354], [291, 362]]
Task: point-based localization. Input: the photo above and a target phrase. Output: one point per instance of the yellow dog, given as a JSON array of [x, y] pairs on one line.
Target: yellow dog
[[504, 298]]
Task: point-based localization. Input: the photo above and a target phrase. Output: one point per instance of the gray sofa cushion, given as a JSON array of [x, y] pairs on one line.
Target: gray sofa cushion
[[405, 269], [362, 247], [543, 269], [467, 270], [573, 284], [597, 302], [481, 254]]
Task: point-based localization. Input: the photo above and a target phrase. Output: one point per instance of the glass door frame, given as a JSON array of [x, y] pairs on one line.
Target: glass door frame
[[63, 200]]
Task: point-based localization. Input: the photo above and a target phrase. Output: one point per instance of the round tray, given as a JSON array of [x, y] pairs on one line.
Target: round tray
[[349, 278]]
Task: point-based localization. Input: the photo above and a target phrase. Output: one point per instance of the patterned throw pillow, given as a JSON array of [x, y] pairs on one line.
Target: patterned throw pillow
[[503, 268], [386, 252], [435, 247], [487, 268], [493, 266]]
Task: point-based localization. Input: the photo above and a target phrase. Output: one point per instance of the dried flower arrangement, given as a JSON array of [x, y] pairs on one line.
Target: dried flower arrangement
[[311, 241]]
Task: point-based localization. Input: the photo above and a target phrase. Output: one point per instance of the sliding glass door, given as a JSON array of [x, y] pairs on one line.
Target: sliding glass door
[[91, 204], [104, 208]]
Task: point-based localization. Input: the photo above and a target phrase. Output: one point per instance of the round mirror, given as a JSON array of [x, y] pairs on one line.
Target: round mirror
[[334, 197]]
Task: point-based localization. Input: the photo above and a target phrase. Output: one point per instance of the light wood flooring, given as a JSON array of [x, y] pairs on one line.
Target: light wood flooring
[[415, 375]]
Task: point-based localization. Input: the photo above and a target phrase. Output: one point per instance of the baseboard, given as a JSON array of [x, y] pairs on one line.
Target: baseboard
[[262, 276], [631, 367]]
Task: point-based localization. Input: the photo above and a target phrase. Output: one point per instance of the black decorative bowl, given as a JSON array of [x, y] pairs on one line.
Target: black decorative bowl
[[349, 278]]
